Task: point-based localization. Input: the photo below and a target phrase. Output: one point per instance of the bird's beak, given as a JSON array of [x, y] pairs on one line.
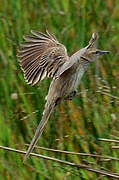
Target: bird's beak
[[103, 52]]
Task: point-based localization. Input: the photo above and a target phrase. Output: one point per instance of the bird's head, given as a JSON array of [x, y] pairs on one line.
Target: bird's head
[[91, 52]]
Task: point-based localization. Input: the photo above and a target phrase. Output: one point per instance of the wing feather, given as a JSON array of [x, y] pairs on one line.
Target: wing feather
[[69, 64], [41, 56]]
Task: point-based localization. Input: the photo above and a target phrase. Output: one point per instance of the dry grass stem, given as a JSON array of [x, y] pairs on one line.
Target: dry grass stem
[[104, 158], [108, 140], [82, 166]]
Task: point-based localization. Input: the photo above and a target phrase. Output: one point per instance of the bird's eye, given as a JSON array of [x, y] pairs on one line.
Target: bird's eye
[[97, 52]]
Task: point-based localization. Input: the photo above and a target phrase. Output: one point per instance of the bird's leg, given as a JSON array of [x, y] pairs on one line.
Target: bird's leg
[[72, 95], [57, 101]]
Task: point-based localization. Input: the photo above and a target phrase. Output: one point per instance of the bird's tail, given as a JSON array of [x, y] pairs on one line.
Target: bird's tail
[[40, 128]]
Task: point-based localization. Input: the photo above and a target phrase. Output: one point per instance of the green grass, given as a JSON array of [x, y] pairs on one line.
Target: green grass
[[77, 124]]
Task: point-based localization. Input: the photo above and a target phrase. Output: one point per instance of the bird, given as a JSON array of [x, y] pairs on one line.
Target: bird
[[42, 56]]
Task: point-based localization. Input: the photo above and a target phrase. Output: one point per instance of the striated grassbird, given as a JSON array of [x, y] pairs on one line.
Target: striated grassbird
[[42, 56]]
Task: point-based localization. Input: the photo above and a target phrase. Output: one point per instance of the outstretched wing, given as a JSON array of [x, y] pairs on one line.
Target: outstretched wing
[[72, 60], [77, 57], [41, 56]]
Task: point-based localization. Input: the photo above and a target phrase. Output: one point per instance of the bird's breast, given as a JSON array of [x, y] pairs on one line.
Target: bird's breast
[[76, 78], [66, 83]]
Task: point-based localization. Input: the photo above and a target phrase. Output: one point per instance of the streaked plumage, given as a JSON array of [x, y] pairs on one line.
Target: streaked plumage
[[42, 56]]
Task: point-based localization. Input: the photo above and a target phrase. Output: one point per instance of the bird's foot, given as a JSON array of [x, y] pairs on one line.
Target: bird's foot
[[71, 95]]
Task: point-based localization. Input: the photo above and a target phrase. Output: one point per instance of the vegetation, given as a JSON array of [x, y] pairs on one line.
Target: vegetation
[[75, 125]]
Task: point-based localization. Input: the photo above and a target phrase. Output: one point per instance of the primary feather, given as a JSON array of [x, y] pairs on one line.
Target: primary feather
[[41, 56]]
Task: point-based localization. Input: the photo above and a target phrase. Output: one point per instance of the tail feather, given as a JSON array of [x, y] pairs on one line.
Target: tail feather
[[40, 128]]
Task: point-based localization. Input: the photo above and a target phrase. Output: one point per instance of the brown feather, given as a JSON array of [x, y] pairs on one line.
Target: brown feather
[[41, 56]]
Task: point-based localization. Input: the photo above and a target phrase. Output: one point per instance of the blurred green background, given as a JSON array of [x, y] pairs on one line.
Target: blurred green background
[[74, 125]]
